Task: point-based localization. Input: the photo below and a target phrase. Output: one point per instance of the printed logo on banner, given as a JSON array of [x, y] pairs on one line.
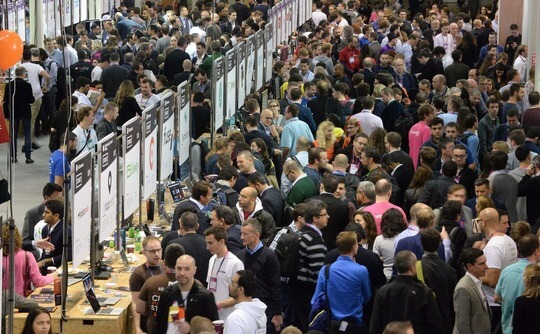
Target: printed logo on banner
[[109, 181], [151, 152]]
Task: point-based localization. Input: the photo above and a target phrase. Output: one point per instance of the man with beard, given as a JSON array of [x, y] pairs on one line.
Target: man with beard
[[59, 166]]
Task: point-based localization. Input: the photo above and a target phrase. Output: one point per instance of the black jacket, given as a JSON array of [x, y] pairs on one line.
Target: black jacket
[[188, 205], [200, 302], [112, 77], [435, 191], [173, 63], [339, 218], [195, 245], [56, 238], [273, 203], [24, 97]]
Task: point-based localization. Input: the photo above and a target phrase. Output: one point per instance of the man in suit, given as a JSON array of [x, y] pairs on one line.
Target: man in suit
[[174, 58], [194, 244], [113, 76], [35, 214], [393, 109], [339, 210], [201, 194], [400, 172], [53, 234], [431, 67], [272, 199], [470, 302]]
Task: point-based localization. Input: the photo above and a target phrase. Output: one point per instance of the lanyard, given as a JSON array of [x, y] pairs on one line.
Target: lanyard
[[221, 264], [149, 270]]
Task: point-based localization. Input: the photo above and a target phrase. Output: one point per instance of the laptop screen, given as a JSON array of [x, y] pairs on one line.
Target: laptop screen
[[89, 292], [176, 192]]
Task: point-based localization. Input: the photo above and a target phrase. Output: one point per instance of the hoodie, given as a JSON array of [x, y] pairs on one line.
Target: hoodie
[[247, 318]]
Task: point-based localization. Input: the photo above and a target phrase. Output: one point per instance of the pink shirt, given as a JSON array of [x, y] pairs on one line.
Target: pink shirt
[[418, 135], [378, 209], [20, 265]]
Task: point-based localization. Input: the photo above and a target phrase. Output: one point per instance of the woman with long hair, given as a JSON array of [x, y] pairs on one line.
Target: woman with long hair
[[127, 105], [421, 176], [377, 139], [37, 322], [469, 50], [221, 145], [392, 224], [258, 145], [26, 268], [62, 121], [527, 306], [487, 64], [325, 138], [367, 221]]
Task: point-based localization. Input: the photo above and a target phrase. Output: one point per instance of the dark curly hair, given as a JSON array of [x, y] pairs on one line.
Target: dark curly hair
[[392, 223]]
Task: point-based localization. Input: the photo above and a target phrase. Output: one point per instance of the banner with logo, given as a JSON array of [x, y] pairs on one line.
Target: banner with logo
[[269, 41], [184, 122], [108, 183], [250, 66], [81, 206], [131, 151], [231, 81], [218, 93], [167, 135], [150, 134], [241, 73], [259, 66]]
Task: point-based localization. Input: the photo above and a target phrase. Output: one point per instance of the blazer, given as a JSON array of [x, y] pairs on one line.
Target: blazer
[[56, 238], [472, 313], [339, 217], [274, 203]]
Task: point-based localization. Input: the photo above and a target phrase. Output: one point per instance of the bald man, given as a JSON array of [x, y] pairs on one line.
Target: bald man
[[197, 301], [341, 164], [250, 206], [500, 252]]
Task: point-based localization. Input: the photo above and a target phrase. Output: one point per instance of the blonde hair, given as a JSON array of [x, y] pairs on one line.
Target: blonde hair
[[220, 144], [5, 238], [322, 141], [125, 90], [484, 202], [532, 281], [502, 146]]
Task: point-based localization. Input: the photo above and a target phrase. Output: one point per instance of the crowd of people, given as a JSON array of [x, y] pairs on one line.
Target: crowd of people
[[392, 179]]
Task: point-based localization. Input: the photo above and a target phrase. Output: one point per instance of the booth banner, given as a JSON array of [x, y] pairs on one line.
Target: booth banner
[[66, 12], [230, 58], [150, 133], [81, 206], [289, 18], [218, 92], [241, 73], [250, 51], [269, 41], [302, 12], [280, 24], [295, 15], [21, 20], [50, 19], [131, 147], [167, 135], [104, 8], [184, 122], [259, 69], [84, 9], [108, 183], [76, 11], [12, 16]]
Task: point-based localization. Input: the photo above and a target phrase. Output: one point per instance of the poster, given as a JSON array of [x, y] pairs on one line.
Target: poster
[[269, 42], [241, 73], [230, 57], [21, 20], [295, 15], [184, 120], [132, 165], [76, 11], [84, 9], [167, 135], [149, 117], [218, 92], [81, 206], [50, 20], [250, 67], [259, 66], [108, 183], [12, 16], [66, 10], [280, 22]]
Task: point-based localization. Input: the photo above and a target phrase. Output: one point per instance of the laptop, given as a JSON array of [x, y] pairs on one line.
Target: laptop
[[128, 268], [176, 192], [94, 301]]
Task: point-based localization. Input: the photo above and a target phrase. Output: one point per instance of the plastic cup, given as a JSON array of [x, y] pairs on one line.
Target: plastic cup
[[114, 277], [51, 270], [218, 326], [130, 249]]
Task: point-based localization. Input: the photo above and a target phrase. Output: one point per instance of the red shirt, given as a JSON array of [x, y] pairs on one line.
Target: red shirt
[[350, 58]]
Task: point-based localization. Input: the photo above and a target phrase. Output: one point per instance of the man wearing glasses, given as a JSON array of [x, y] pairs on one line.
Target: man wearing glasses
[[152, 266]]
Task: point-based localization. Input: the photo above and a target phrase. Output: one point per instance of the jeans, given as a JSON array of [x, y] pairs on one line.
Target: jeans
[[35, 108], [27, 137]]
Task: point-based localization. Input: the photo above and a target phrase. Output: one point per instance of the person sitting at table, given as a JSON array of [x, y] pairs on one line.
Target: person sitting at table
[[26, 268], [152, 266]]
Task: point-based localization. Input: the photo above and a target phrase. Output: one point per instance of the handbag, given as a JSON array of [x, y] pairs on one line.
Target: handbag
[[4, 190], [320, 315], [26, 278]]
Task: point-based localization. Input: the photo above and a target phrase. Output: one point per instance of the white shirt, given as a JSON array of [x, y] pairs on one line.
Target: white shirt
[[199, 31], [191, 50], [447, 42], [220, 274], [96, 73], [86, 139], [83, 99], [33, 78], [146, 102], [500, 252], [520, 65], [368, 121], [318, 16]]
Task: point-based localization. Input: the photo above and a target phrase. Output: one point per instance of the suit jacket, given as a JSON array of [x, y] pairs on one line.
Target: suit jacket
[[390, 114], [472, 313], [56, 238], [339, 218], [24, 97], [112, 77], [173, 63], [32, 217], [403, 176], [274, 203], [195, 245]]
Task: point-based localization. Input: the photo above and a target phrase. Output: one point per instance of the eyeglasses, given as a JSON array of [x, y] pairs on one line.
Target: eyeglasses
[[325, 214], [289, 172], [232, 283], [459, 156], [153, 251], [274, 106]]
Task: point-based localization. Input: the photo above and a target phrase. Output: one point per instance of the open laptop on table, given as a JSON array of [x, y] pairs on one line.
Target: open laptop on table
[[95, 303], [125, 260]]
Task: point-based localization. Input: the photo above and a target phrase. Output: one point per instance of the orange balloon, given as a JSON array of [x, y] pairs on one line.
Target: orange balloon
[[11, 47]]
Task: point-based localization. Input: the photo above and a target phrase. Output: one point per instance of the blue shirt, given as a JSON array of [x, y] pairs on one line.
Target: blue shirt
[[58, 165], [346, 278]]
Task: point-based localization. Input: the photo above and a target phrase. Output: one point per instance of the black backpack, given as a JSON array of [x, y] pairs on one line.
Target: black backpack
[[61, 91], [464, 137], [404, 123], [286, 250]]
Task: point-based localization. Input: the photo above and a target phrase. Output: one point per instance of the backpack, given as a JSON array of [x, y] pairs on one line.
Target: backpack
[[464, 137], [286, 250], [404, 123], [220, 197], [453, 261], [61, 92]]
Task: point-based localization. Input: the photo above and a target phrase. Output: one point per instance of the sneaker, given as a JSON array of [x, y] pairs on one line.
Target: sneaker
[[31, 150], [29, 161]]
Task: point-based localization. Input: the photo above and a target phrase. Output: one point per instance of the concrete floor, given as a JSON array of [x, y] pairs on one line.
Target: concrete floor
[[28, 179]]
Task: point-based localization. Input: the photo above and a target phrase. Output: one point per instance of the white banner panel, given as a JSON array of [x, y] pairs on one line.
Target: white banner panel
[[302, 12], [132, 168], [84, 9], [280, 18], [250, 67], [12, 16], [241, 72], [167, 135], [81, 206], [295, 15], [218, 92], [259, 66], [150, 133], [76, 11], [49, 19], [66, 7], [230, 58], [184, 120], [21, 26], [108, 183], [269, 42]]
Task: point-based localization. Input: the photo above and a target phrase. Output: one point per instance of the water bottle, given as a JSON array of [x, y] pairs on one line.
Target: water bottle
[[138, 244]]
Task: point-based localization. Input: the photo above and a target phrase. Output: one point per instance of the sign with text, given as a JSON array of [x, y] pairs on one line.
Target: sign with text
[[184, 119], [259, 66], [81, 206], [241, 73], [167, 135], [230, 58], [131, 150], [108, 183], [250, 66], [150, 134], [269, 41], [218, 92]]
